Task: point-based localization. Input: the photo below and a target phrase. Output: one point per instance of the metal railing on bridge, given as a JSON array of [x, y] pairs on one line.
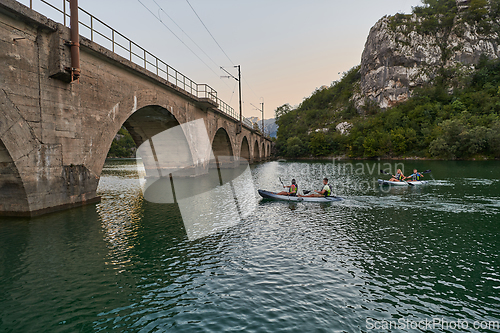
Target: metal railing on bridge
[[125, 47]]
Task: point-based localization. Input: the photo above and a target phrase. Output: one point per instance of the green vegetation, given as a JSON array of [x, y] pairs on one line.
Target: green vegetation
[[323, 110], [456, 115], [123, 145], [432, 123]]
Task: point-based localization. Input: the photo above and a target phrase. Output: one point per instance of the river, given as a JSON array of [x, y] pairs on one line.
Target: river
[[405, 256]]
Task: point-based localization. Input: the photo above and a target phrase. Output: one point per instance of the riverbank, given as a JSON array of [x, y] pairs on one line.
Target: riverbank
[[397, 158]]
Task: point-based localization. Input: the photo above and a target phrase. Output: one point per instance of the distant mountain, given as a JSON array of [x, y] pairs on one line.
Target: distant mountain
[[253, 119], [270, 126]]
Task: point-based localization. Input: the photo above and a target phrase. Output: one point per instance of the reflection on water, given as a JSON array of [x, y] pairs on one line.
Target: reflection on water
[[120, 212], [178, 165], [129, 265], [209, 202], [208, 212]]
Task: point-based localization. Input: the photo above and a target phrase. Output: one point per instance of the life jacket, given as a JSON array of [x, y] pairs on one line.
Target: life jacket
[[416, 176], [328, 192], [293, 189], [399, 176]]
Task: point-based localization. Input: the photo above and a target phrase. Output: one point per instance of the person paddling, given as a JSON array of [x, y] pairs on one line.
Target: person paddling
[[292, 189], [325, 192], [399, 177], [415, 176]]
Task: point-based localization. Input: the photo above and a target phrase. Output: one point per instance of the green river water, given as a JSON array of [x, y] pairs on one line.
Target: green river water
[[406, 256]]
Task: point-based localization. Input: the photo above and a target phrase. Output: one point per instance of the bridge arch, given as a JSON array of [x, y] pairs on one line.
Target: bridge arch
[[13, 196], [166, 138], [149, 121], [128, 112], [263, 151], [245, 149], [256, 152], [222, 147], [30, 166]]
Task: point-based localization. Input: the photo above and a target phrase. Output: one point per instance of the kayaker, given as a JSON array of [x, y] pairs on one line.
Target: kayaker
[[326, 191], [292, 189], [399, 177], [415, 176]]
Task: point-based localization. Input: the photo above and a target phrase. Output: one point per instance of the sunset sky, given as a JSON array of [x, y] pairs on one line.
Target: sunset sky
[[286, 48]]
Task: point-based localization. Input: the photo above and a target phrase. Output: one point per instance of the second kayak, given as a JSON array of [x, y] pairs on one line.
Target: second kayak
[[395, 183], [272, 195]]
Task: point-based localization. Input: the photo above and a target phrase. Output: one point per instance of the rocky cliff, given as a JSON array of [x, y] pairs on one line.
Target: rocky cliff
[[404, 51]]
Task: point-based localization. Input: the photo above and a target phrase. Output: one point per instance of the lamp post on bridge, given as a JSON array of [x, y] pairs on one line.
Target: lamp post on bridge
[[240, 125]]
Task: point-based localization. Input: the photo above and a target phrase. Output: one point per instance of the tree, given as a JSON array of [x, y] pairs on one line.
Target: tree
[[453, 141], [294, 147], [282, 110], [398, 141], [493, 140], [484, 15], [123, 145], [319, 144]]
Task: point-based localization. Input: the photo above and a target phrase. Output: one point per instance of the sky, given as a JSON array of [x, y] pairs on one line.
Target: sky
[[286, 48]]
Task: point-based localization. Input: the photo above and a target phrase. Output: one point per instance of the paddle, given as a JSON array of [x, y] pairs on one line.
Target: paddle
[[281, 182], [404, 181]]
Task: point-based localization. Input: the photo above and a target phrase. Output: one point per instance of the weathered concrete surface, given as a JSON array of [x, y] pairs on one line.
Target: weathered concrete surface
[[55, 135]]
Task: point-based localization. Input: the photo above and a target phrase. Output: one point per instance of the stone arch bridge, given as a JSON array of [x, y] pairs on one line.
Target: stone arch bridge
[[55, 135]]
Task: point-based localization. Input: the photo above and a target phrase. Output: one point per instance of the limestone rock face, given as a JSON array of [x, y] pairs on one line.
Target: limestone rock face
[[394, 62]]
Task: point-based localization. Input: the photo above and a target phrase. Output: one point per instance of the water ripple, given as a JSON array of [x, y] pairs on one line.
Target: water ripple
[[127, 264]]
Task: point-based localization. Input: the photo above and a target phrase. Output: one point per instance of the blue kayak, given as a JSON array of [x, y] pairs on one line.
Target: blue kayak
[[274, 196]]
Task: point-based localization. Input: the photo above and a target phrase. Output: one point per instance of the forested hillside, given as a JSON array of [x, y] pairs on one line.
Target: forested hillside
[[428, 86], [432, 123]]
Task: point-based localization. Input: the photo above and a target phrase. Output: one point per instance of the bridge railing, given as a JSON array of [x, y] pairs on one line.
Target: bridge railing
[[247, 122], [101, 33]]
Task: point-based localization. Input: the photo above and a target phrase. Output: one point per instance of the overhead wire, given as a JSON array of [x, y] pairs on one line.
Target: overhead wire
[[211, 35], [244, 79], [159, 19], [220, 47], [185, 33], [178, 26], [232, 94]]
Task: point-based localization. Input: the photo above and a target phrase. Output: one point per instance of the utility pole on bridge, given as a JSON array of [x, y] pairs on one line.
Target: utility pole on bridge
[[262, 112], [240, 125], [263, 130]]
